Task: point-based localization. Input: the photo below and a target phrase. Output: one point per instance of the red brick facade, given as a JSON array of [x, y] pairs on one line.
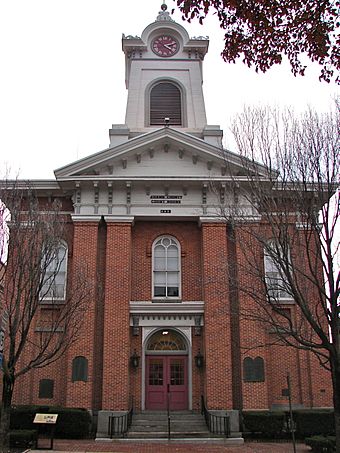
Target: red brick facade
[[119, 260]]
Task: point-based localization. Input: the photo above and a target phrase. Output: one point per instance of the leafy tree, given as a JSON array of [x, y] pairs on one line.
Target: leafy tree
[[284, 218], [262, 32], [32, 262]]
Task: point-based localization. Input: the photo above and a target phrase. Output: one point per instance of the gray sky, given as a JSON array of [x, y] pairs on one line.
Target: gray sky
[[62, 79]]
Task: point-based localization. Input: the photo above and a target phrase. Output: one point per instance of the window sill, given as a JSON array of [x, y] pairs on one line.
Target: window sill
[[282, 301], [52, 301], [49, 329], [166, 300], [165, 306]]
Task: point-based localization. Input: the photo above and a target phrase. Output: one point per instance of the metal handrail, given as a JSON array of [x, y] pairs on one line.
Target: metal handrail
[[120, 424], [217, 424]]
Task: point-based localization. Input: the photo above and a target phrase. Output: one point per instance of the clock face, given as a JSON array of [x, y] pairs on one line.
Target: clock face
[[165, 46]]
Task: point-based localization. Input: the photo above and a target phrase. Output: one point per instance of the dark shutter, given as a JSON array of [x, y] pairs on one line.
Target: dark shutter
[[248, 369], [46, 387], [165, 102], [253, 369], [258, 369], [79, 369]]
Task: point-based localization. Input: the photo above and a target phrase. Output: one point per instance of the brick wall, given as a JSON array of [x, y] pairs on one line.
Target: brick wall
[[218, 370], [119, 260], [116, 348]]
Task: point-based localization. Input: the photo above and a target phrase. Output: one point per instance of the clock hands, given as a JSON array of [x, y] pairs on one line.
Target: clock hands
[[170, 45]]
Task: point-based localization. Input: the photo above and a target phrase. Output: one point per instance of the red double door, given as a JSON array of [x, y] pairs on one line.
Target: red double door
[[166, 380]]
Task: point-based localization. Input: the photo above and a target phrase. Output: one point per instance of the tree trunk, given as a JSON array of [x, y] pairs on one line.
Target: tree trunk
[[7, 392], [336, 400]]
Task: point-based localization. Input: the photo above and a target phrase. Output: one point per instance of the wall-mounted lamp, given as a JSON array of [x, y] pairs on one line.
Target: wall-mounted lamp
[[199, 360], [134, 359]]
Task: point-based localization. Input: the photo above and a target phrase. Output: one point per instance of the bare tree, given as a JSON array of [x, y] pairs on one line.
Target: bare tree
[[285, 223], [34, 254]]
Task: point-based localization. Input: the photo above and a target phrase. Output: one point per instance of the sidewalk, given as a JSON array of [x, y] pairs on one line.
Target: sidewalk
[[121, 446]]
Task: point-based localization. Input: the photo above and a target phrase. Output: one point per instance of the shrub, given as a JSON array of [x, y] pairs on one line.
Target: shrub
[[23, 438], [22, 416], [321, 444], [312, 422], [267, 423], [71, 423]]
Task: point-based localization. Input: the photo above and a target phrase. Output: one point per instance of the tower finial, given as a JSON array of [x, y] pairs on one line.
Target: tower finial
[[164, 14]]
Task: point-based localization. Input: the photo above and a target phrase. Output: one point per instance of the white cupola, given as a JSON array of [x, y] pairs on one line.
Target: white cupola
[[163, 74]]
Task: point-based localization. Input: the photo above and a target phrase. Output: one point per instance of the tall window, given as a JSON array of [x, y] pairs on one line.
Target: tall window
[[165, 102], [277, 286], [166, 268], [55, 269]]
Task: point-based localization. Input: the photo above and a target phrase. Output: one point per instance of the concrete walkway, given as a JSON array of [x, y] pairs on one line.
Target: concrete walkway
[[122, 446]]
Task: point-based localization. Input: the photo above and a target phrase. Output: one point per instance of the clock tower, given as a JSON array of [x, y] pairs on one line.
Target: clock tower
[[164, 79]]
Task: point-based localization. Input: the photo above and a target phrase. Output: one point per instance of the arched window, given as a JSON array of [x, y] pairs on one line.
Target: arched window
[[166, 340], [253, 369], [274, 265], [54, 269], [166, 268], [46, 387], [79, 369], [165, 102]]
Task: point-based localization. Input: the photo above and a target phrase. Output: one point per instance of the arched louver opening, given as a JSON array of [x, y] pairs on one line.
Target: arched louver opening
[[165, 102]]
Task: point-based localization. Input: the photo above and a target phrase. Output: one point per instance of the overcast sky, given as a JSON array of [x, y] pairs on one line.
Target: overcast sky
[[62, 79]]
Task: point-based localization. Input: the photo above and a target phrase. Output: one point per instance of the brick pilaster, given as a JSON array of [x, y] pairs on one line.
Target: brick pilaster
[[79, 394], [218, 360], [116, 317]]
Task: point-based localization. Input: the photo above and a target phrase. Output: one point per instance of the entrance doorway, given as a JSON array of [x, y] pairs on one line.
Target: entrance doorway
[[166, 379], [166, 371]]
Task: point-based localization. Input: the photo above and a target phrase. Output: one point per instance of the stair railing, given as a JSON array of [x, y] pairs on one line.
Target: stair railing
[[120, 424], [216, 423]]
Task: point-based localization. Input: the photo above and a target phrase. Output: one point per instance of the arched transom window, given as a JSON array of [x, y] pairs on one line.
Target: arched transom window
[[166, 268], [166, 340], [165, 102]]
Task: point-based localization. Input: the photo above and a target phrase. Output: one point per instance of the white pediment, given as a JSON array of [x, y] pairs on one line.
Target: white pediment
[[164, 153]]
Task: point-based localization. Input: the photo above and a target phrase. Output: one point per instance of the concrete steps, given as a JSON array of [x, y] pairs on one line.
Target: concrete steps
[[154, 425]]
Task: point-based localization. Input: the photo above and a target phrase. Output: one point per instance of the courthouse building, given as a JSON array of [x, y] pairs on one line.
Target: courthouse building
[[143, 215]]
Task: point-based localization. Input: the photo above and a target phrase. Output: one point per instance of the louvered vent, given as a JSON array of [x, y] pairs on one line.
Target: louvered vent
[[165, 102]]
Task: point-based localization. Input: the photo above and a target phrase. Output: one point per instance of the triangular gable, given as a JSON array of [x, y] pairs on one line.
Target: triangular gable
[[162, 152]]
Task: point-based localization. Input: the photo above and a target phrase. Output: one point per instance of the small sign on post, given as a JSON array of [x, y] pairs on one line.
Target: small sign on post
[[46, 420]]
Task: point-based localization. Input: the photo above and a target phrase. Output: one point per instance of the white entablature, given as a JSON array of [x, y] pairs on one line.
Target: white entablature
[[161, 173]]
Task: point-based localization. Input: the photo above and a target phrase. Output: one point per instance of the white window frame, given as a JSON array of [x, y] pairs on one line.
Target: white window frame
[[173, 241], [274, 278], [50, 297]]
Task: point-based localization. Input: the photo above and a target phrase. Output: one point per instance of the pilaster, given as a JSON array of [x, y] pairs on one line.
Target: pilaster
[[218, 359], [116, 348], [79, 394]]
